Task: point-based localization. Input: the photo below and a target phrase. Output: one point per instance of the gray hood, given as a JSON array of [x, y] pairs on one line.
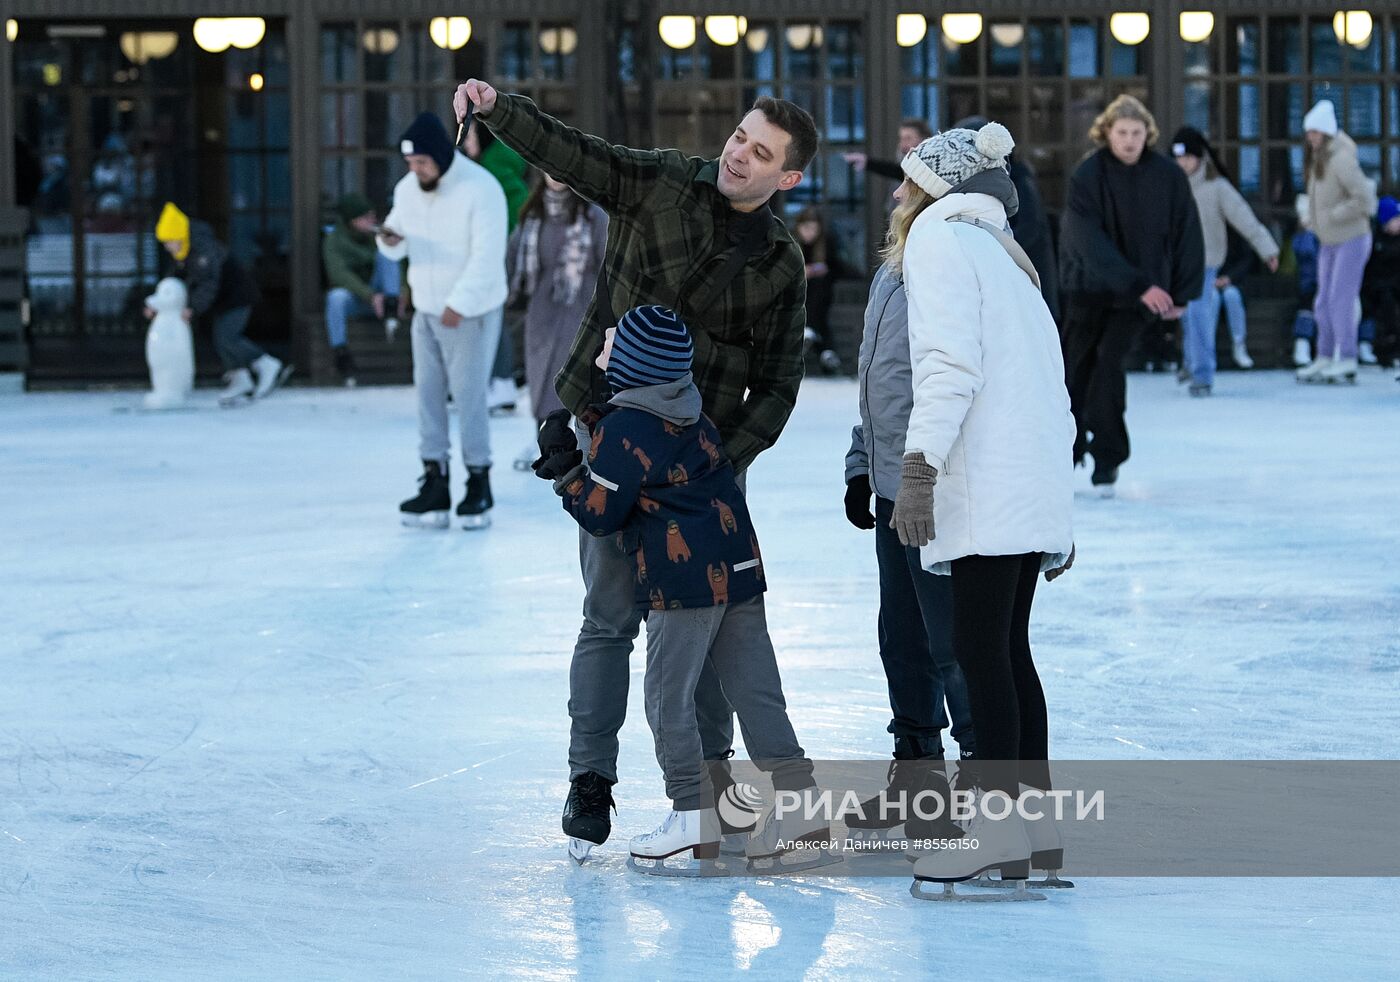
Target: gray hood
[[995, 183], [676, 402]]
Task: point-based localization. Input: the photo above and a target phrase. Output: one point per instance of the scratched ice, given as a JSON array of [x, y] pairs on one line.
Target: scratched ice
[[253, 729]]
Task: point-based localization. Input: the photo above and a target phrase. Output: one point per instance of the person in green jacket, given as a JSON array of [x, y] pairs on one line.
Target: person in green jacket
[[360, 279], [509, 169]]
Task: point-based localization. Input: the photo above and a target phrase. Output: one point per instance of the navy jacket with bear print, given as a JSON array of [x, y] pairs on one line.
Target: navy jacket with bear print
[[657, 477]]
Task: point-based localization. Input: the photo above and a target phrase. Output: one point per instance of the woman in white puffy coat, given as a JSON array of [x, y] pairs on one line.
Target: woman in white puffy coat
[[986, 483]]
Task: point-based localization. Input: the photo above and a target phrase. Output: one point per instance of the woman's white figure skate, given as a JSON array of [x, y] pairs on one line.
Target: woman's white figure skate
[[1047, 854], [1000, 845], [661, 851], [169, 348]]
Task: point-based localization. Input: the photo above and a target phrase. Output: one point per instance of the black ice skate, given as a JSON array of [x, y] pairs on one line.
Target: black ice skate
[[883, 817], [476, 505], [345, 366], [586, 820], [429, 508]]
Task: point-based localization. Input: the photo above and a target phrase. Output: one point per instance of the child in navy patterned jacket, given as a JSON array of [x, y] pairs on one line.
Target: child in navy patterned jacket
[[657, 477]]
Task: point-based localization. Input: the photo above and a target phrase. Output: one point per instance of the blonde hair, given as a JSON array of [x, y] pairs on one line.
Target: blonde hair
[[916, 199], [1123, 107]]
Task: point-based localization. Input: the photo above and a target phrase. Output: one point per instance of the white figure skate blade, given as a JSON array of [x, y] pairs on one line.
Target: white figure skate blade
[[676, 866], [792, 862], [472, 523], [1051, 881], [580, 850], [427, 520], [920, 890]]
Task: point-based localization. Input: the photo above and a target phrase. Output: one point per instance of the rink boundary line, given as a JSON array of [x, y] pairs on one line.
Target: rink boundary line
[[460, 770]]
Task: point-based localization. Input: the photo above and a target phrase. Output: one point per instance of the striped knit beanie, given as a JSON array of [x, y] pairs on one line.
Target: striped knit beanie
[[947, 159], [652, 346]]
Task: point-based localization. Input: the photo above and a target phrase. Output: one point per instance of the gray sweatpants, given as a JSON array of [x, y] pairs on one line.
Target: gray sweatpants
[[232, 345], [600, 669], [733, 642], [454, 360]]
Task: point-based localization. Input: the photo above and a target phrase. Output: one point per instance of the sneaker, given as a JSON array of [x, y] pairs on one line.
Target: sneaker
[[1241, 354], [391, 327], [430, 506], [238, 387], [1199, 390], [830, 362], [1302, 353], [1366, 353], [500, 400]]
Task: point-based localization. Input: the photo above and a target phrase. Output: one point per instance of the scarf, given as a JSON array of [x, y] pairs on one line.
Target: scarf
[[567, 281]]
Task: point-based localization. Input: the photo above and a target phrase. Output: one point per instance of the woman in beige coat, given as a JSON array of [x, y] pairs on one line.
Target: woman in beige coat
[[1340, 202]]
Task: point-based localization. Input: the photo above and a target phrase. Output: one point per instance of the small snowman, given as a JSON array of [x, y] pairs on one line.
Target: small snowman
[[169, 348]]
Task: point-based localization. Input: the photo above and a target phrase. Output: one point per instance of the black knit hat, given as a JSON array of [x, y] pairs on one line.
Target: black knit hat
[[1189, 140], [427, 136], [652, 346]]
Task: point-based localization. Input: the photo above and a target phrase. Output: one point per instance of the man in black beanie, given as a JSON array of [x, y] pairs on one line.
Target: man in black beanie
[[449, 221]]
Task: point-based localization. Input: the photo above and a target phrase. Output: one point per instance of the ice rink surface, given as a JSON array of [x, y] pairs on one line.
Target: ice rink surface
[[254, 729]]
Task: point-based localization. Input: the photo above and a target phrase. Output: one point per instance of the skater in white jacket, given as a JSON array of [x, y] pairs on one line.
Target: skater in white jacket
[[985, 490], [449, 221]]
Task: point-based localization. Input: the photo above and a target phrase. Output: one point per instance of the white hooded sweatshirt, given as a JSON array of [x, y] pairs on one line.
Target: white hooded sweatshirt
[[991, 412], [454, 237]]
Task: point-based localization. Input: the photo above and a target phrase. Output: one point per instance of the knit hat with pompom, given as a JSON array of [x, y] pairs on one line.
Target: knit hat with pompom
[[947, 159]]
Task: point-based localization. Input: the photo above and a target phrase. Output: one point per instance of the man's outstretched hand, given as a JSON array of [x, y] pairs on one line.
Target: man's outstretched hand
[[476, 92]]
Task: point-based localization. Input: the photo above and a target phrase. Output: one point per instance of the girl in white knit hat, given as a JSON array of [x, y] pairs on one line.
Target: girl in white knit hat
[[1338, 208], [986, 483]]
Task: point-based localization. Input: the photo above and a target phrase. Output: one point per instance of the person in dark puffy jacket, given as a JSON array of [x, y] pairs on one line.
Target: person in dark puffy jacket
[[656, 474]]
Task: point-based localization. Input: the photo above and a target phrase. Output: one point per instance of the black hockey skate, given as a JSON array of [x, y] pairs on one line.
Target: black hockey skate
[[476, 505], [345, 366], [430, 507], [882, 818], [586, 820]]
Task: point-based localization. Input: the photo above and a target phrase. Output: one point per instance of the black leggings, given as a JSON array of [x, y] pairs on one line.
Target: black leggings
[[992, 597]]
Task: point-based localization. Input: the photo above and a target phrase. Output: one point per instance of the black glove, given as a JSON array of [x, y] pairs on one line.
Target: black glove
[[858, 502], [558, 464], [557, 434]]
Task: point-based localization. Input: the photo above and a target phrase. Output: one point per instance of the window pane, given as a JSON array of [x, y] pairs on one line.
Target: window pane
[[338, 53], [1125, 59], [514, 57], [802, 44], [960, 60], [1083, 49], [844, 58], [1198, 106], [1248, 112], [1325, 52], [761, 51], [921, 60], [1370, 156], [1249, 171], [340, 120], [1004, 49], [245, 180], [1285, 111], [1285, 46], [1364, 110], [1045, 47], [387, 58], [1242, 46]]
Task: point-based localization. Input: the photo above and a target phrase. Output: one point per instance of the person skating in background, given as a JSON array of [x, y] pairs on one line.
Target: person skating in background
[[220, 288], [822, 257], [1220, 207], [915, 621], [1131, 256], [1380, 289], [449, 221], [1030, 224], [657, 473], [1339, 205], [698, 237], [507, 167], [912, 132], [985, 489], [1305, 246], [553, 263], [363, 282], [1240, 261]]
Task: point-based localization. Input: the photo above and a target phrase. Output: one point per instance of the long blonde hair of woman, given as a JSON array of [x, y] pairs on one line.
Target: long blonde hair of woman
[[916, 199]]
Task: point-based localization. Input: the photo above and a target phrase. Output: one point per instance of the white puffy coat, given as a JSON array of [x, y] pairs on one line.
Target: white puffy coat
[[454, 237], [990, 407]]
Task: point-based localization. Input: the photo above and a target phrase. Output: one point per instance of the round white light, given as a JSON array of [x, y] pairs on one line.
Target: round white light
[[800, 37], [1196, 25], [910, 29], [211, 34], [11, 29], [726, 29], [757, 39], [962, 28], [677, 32], [381, 40], [1130, 29], [1353, 27], [558, 40], [256, 81], [143, 46], [245, 32], [450, 33], [1008, 35]]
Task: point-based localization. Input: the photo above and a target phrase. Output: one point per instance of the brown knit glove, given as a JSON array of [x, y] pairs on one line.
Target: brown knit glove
[[913, 505]]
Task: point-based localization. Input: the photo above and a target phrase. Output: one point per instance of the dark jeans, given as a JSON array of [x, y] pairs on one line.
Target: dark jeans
[[1096, 340], [234, 349], [916, 642], [992, 597]]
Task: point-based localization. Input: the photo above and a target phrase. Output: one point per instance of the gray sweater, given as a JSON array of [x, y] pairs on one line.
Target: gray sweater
[[886, 383], [1220, 205]]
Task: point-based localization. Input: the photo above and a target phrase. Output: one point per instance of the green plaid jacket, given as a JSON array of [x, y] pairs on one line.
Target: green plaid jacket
[[667, 239]]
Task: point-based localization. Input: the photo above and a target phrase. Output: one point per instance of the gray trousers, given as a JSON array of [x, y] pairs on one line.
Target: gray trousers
[[454, 360], [600, 670], [733, 643], [234, 349]]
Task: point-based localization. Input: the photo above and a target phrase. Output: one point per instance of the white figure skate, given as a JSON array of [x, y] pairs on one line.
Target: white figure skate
[[1340, 372], [271, 374], [1313, 372], [696, 832], [238, 388], [1001, 845]]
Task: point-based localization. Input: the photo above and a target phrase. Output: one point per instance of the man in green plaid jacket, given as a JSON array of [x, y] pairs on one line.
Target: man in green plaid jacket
[[675, 222]]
